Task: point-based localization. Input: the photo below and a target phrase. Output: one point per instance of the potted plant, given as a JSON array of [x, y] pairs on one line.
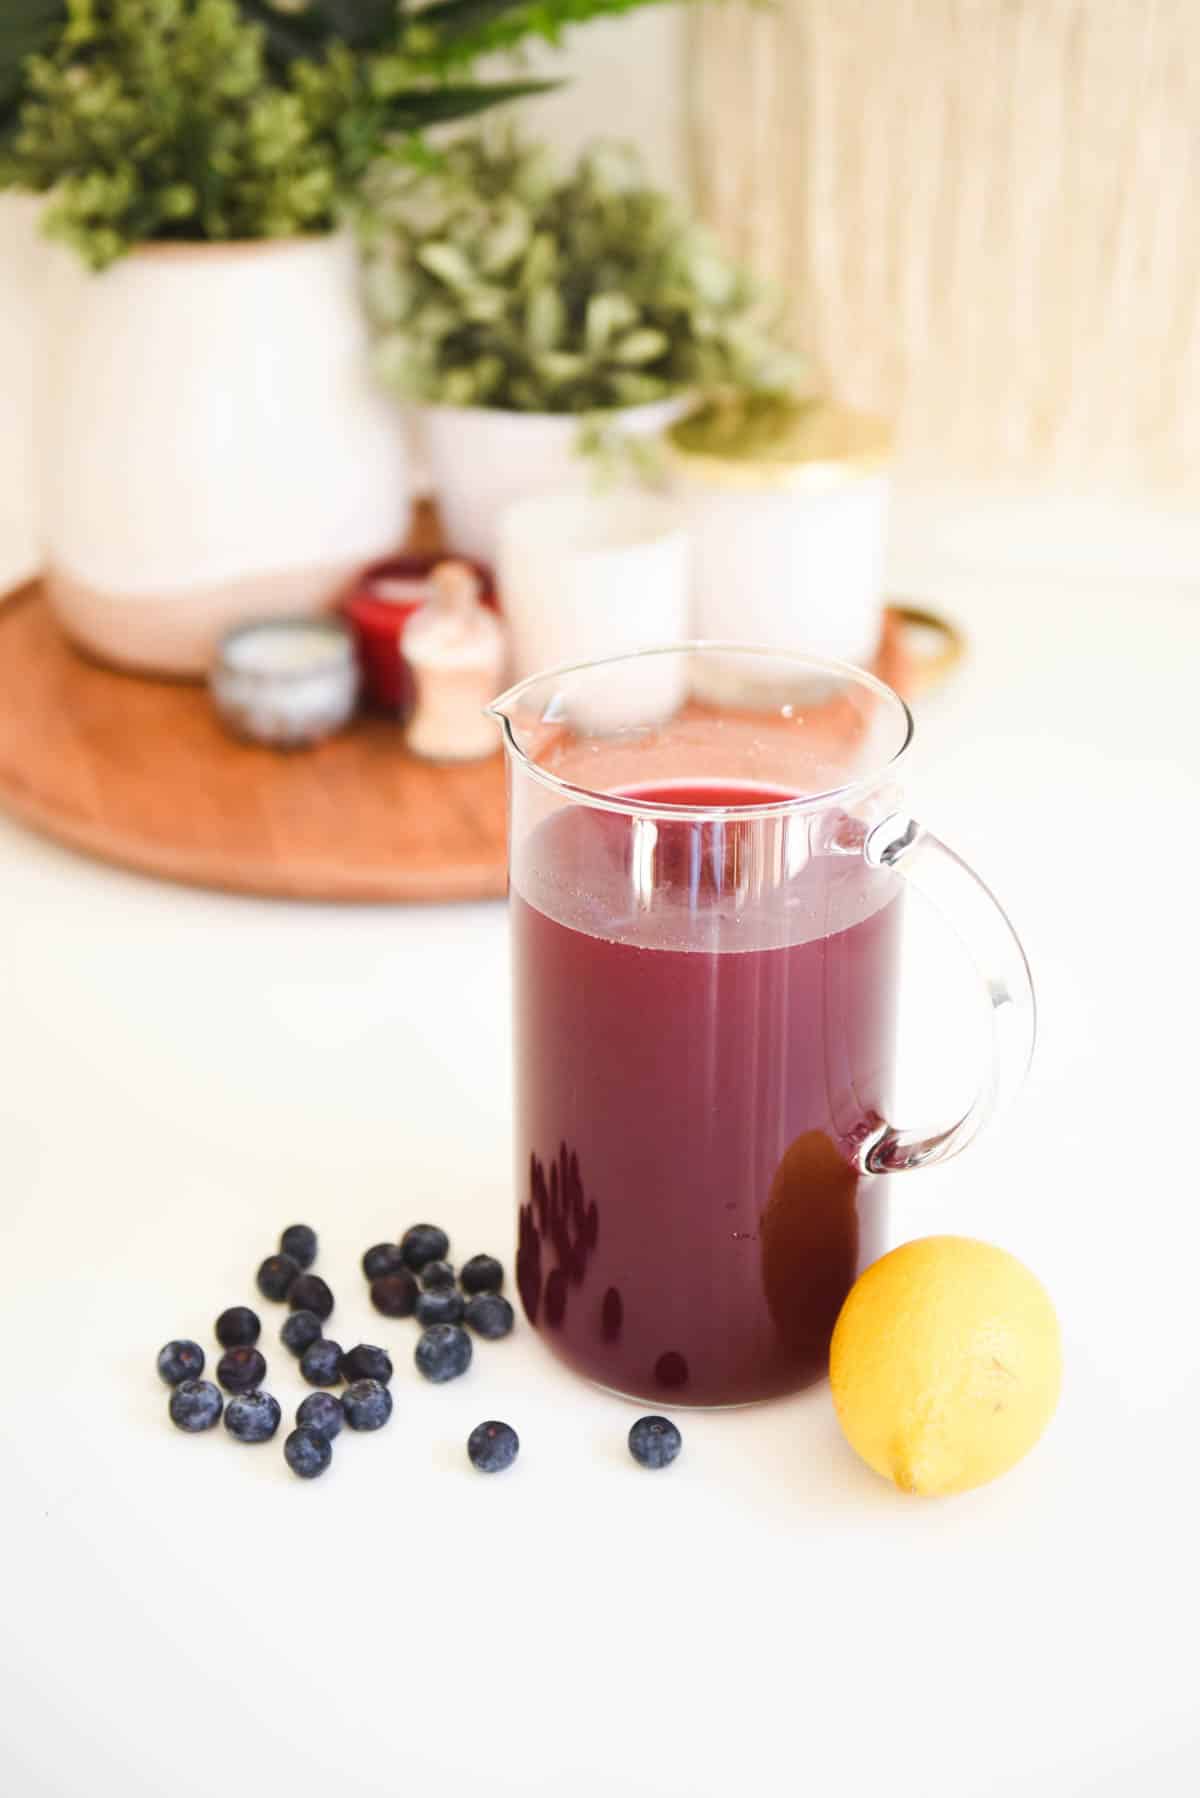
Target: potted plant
[[22, 260], [214, 446], [535, 313], [22, 255]]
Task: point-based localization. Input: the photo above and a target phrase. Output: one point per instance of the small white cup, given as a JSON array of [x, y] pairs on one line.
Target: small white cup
[[582, 577]]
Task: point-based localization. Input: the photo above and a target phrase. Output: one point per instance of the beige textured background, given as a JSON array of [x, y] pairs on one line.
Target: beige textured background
[[985, 215]]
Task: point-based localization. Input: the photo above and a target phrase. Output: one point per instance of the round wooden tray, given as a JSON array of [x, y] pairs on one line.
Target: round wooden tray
[[141, 773]]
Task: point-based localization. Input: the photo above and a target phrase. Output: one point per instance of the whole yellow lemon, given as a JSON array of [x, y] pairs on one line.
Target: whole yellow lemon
[[945, 1364]]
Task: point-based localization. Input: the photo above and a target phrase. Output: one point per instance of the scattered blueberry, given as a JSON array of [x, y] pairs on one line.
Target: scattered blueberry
[[241, 1369], [300, 1243], [443, 1352], [367, 1404], [180, 1360], [482, 1273], [300, 1328], [276, 1275], [195, 1405], [492, 1446], [252, 1416], [310, 1293], [367, 1363], [422, 1244], [238, 1327], [438, 1276], [490, 1315], [439, 1307], [654, 1441], [384, 1258], [308, 1453], [320, 1363], [322, 1412], [395, 1294]]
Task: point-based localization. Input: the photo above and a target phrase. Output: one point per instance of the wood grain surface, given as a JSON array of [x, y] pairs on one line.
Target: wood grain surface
[[141, 773]]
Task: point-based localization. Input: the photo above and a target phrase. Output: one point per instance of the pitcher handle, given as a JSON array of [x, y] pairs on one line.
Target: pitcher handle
[[923, 860]]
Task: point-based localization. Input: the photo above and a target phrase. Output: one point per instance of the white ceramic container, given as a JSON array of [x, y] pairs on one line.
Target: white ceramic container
[[479, 461], [23, 254], [212, 448], [584, 576], [788, 527]]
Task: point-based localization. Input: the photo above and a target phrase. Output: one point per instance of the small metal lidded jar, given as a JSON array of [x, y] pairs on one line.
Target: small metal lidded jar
[[787, 503], [287, 682]]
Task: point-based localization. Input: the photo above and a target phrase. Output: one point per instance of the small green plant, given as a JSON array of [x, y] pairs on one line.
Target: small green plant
[[205, 120], [495, 278]]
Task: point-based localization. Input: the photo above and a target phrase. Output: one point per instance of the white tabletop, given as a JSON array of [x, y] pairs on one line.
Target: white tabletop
[[182, 1074]]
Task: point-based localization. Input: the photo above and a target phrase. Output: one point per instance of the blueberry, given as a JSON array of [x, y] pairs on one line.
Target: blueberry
[[252, 1416], [321, 1362], [654, 1441], [437, 1276], [443, 1352], [367, 1363], [180, 1360], [367, 1404], [492, 1446], [310, 1293], [422, 1244], [276, 1275], [322, 1412], [241, 1369], [195, 1405], [300, 1329], [439, 1307], [395, 1294], [238, 1327], [490, 1315], [300, 1243], [482, 1273], [308, 1453], [384, 1258]]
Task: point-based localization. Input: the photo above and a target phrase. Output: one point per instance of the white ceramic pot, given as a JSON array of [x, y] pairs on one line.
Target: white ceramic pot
[[790, 571], [212, 447], [479, 461], [22, 270], [788, 544]]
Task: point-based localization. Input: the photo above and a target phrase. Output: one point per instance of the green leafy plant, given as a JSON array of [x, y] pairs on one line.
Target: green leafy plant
[[216, 119], [27, 28], [495, 278]]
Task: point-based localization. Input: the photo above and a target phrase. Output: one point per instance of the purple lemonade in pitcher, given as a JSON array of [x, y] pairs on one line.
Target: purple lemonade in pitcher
[[708, 848], [690, 1071]]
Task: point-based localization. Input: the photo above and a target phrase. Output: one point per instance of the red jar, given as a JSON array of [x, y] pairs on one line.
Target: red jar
[[378, 607]]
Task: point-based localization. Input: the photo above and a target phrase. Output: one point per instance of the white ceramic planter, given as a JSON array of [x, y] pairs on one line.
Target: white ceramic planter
[[479, 461], [212, 447], [22, 270]]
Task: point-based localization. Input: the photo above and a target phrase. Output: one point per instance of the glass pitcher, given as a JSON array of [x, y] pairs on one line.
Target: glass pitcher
[[708, 852]]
